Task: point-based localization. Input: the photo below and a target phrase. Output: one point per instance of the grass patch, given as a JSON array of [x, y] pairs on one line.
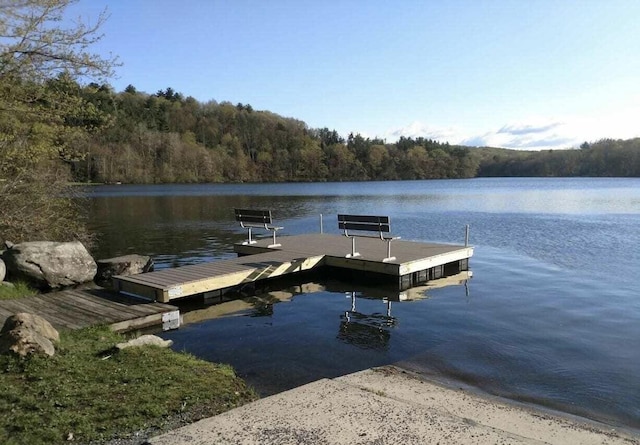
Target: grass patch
[[18, 290], [94, 394]]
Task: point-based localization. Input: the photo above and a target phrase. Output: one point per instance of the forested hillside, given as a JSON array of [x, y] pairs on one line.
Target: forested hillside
[[165, 137], [608, 157]]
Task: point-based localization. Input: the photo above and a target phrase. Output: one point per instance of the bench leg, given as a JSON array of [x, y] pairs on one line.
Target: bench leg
[[249, 241], [353, 253], [389, 257], [275, 244]]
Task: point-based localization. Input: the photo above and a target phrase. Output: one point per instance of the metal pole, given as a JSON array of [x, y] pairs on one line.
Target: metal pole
[[466, 235], [321, 228]]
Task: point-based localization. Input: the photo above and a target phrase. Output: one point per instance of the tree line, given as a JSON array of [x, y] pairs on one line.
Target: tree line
[[607, 157], [166, 137]]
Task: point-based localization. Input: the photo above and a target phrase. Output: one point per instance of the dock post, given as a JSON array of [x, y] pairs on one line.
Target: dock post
[[321, 229], [466, 236]]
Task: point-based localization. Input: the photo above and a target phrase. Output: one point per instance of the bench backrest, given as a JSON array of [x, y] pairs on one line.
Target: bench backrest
[[253, 217], [365, 223]]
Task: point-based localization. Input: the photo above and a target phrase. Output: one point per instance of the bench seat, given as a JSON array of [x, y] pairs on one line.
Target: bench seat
[[370, 224], [257, 219]]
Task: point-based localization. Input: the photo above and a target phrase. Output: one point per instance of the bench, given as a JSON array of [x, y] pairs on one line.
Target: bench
[[257, 219], [366, 223]]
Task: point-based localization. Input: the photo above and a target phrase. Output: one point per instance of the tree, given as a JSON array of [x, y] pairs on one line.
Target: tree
[[41, 112]]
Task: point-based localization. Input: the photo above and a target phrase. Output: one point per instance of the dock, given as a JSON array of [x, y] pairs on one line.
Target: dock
[[414, 263], [76, 309]]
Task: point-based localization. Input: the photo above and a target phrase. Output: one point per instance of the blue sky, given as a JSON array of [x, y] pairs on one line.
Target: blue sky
[[534, 74]]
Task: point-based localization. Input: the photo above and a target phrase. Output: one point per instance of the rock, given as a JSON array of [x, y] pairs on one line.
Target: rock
[[25, 334], [32, 322], [122, 265], [145, 340], [3, 271], [50, 264]]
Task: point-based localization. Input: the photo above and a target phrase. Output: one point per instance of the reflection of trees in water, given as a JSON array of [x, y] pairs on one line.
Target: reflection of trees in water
[[177, 229]]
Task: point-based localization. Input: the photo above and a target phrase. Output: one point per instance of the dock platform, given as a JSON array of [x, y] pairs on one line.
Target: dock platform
[[414, 263], [76, 309]]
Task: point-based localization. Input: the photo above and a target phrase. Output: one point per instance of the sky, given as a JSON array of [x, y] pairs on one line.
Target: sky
[[521, 74]]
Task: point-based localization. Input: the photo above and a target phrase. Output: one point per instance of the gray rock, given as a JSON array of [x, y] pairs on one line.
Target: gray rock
[[50, 264], [25, 334], [122, 265], [3, 271], [145, 340]]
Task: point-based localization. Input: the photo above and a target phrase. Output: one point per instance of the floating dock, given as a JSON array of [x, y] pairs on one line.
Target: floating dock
[[76, 309], [414, 263]]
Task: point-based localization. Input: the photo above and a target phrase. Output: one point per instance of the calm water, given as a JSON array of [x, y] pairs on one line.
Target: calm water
[[551, 316]]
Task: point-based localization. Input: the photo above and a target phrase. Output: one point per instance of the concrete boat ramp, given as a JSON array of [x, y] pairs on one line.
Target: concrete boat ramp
[[413, 263], [390, 406]]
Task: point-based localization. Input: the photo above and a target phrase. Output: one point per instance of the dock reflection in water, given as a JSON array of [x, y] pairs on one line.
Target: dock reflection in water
[[373, 330], [244, 303], [286, 337]]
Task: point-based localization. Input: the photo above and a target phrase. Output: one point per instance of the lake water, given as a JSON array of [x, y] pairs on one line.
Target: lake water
[[551, 315]]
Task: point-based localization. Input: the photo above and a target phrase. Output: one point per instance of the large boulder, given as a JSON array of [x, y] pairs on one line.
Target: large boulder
[[48, 264], [25, 334], [122, 265]]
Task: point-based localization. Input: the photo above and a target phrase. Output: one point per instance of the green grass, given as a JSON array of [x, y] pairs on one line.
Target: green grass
[[18, 291], [96, 394]]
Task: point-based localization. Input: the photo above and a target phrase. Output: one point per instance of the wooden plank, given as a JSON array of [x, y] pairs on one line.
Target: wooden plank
[[35, 306], [126, 304], [216, 275], [253, 216], [137, 323], [52, 314], [362, 227], [369, 219], [144, 290], [66, 306], [66, 310], [171, 277], [371, 249], [76, 309], [107, 306], [5, 313], [95, 309], [113, 302], [435, 260]]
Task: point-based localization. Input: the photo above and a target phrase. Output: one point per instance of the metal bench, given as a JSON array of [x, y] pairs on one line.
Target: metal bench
[[257, 219], [366, 223]]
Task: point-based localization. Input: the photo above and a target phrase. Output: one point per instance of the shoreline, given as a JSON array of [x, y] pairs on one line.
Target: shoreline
[[391, 405], [530, 403]]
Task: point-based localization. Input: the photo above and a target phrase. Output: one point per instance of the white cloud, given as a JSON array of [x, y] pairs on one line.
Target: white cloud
[[418, 129], [530, 134], [536, 133]]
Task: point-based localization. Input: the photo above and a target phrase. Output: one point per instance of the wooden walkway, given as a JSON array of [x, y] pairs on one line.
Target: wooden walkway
[[414, 263], [75, 309]]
